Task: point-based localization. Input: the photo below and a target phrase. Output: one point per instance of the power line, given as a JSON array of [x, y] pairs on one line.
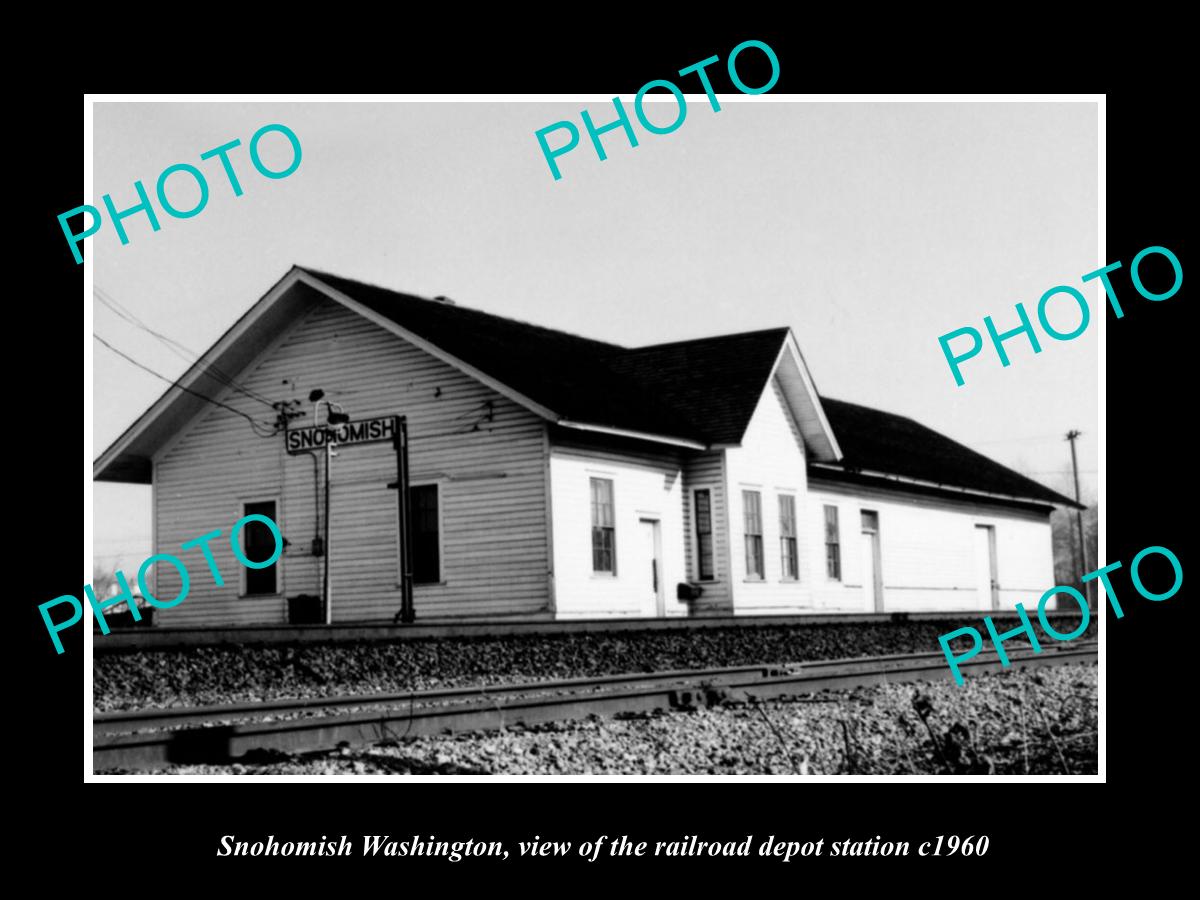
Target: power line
[[1029, 437], [1057, 471], [187, 355], [254, 423]]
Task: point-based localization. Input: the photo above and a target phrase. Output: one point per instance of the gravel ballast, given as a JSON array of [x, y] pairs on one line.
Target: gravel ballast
[[234, 673], [1040, 721]]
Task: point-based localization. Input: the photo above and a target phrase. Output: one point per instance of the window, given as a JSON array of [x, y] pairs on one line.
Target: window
[[752, 521], [704, 536], [259, 544], [604, 553], [426, 537], [789, 557], [833, 547]]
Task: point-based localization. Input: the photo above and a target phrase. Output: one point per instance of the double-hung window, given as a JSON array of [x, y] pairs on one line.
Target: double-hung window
[[788, 553], [704, 534], [833, 546], [604, 550], [752, 526]]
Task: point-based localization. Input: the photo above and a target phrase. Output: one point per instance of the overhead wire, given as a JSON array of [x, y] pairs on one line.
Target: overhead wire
[[1066, 471], [210, 369], [254, 423], [1029, 437], [187, 355]]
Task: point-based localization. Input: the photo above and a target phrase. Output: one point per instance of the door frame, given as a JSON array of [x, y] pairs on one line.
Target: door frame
[[993, 565], [876, 555], [660, 600]]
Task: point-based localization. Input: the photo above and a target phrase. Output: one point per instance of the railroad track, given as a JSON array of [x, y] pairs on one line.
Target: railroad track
[[147, 739]]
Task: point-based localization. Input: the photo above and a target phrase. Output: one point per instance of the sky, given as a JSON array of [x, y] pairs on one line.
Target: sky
[[869, 228]]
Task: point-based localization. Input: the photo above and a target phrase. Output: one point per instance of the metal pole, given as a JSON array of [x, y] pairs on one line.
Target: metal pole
[[1082, 555], [327, 599], [400, 439]]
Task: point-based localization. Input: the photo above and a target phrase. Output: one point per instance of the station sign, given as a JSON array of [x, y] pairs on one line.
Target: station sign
[[367, 431]]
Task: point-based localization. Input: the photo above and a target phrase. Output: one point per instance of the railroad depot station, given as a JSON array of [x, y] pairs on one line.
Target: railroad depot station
[[550, 476]]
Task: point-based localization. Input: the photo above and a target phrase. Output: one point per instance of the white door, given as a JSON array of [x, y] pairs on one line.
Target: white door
[[650, 579], [987, 590], [871, 563]]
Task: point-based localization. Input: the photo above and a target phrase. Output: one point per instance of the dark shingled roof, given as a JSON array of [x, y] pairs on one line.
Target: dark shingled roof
[[563, 372], [884, 442], [702, 390], [713, 382]]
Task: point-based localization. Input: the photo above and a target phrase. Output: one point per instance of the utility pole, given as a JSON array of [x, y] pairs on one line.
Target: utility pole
[[1082, 555], [328, 602], [333, 418], [406, 613]]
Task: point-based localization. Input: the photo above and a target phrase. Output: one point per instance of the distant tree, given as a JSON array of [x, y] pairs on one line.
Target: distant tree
[[104, 581], [1065, 532], [105, 585], [1065, 535]]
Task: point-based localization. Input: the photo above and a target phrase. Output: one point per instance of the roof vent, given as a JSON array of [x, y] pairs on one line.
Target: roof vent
[[441, 299]]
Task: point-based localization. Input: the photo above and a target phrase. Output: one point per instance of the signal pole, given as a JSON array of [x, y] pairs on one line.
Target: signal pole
[[1082, 555], [328, 604]]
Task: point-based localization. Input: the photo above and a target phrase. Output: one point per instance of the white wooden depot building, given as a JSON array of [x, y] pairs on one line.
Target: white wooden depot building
[[554, 476]]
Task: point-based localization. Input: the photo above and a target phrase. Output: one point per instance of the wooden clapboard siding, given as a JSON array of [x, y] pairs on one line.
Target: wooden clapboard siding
[[647, 483], [707, 470], [491, 475], [792, 381], [928, 550], [770, 461], [514, 504]]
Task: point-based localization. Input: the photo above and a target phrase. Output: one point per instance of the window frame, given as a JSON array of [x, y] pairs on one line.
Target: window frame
[[747, 535], [836, 543], [243, 571], [712, 535], [789, 544], [441, 519], [612, 504]]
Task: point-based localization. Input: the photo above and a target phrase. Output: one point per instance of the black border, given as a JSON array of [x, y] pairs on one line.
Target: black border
[[1147, 404]]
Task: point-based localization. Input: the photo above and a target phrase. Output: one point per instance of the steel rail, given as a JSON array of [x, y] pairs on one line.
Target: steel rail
[[225, 743], [151, 719], [148, 719]]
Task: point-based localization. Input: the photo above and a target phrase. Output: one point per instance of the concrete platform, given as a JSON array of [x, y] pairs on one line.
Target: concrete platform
[[132, 639]]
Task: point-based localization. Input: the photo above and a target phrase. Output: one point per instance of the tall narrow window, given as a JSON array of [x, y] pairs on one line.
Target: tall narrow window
[[752, 521], [789, 556], [833, 546], [258, 544], [604, 553], [426, 539], [704, 537]]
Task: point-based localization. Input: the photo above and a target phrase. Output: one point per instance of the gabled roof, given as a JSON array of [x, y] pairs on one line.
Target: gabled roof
[[561, 372], [713, 382], [884, 443], [699, 393]]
